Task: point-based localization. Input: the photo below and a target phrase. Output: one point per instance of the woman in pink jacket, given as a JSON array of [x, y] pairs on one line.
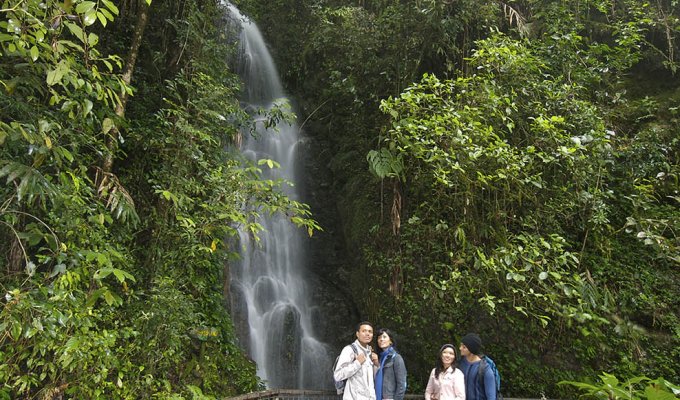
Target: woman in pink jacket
[[446, 381]]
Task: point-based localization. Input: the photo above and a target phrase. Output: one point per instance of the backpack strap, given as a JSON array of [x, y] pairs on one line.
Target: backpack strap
[[483, 365]]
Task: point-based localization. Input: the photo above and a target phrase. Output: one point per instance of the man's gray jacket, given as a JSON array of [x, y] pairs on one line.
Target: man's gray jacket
[[359, 377]]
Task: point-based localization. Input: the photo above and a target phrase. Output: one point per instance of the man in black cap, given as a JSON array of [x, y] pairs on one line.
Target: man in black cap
[[476, 387]]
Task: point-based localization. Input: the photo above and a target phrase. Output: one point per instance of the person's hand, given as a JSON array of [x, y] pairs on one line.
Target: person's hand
[[374, 358], [361, 357]]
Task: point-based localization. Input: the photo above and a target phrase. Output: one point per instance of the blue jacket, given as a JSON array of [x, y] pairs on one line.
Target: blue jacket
[[394, 378], [473, 384]]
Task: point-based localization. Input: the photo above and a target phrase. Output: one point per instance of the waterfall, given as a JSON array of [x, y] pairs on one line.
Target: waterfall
[[269, 295]]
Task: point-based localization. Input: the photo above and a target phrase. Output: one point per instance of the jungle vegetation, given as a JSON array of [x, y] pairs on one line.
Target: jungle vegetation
[[509, 167], [522, 165]]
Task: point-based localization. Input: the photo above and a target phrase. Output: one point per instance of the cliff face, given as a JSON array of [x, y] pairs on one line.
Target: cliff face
[[330, 261]]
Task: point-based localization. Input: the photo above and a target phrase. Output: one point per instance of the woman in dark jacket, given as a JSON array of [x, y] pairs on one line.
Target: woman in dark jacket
[[390, 379]]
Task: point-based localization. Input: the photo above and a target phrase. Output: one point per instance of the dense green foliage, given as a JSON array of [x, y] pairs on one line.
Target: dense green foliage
[[505, 167], [509, 168], [113, 278]]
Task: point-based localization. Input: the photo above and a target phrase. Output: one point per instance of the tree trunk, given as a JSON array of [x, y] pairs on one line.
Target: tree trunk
[[140, 26]]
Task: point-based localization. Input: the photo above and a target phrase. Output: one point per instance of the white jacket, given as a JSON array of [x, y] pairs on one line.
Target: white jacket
[[359, 377]]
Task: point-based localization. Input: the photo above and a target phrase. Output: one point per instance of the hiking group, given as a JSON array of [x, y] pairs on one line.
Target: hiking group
[[362, 374]]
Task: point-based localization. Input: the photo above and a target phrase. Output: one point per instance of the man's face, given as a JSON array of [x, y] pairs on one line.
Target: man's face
[[464, 352], [365, 334]]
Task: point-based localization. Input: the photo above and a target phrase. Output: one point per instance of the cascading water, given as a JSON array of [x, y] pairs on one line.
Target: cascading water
[[270, 303]]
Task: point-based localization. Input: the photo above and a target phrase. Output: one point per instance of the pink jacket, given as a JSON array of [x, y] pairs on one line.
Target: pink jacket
[[449, 386]]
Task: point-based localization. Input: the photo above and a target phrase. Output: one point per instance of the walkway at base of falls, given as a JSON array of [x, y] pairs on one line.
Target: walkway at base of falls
[[290, 394]]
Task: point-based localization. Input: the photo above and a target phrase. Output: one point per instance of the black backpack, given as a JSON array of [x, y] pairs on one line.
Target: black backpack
[[340, 385]]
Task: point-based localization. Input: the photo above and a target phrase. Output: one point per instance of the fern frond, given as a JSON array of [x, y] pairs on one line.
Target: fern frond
[[30, 184], [384, 164]]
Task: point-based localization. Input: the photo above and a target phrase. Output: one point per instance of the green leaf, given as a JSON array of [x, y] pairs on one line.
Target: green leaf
[[76, 30], [109, 297], [102, 18], [87, 107], [580, 385], [92, 299], [35, 53], [384, 164], [102, 259], [112, 7], [103, 273], [16, 330], [609, 379], [54, 76], [270, 163], [107, 125], [655, 393], [119, 274], [66, 154], [32, 183], [122, 275], [106, 14], [92, 39], [90, 17], [85, 7]]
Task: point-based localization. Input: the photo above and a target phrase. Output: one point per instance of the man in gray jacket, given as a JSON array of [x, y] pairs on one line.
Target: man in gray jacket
[[358, 368]]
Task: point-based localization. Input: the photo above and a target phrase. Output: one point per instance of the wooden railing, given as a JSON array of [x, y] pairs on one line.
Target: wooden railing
[[291, 394]]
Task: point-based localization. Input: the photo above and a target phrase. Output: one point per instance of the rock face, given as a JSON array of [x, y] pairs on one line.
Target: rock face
[[284, 339], [239, 315], [335, 314]]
